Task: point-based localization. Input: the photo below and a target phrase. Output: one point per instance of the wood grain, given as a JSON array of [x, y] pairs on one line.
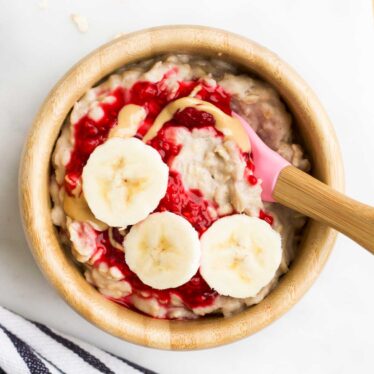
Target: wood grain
[[307, 195], [56, 265]]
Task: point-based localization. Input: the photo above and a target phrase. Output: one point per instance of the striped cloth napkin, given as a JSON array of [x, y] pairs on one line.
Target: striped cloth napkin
[[31, 347]]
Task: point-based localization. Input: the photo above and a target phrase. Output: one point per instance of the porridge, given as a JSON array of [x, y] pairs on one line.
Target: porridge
[[155, 194]]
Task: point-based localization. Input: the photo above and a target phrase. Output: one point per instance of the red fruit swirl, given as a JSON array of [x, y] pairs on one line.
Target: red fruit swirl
[[88, 133], [195, 293], [190, 204]]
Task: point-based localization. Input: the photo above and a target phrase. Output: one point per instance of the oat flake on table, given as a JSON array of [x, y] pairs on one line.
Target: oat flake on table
[[80, 22]]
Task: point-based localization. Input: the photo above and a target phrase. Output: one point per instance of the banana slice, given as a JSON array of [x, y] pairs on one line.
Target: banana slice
[[163, 250], [123, 181], [240, 255]]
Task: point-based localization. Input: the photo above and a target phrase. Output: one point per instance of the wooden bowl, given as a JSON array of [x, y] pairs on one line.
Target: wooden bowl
[[314, 126]]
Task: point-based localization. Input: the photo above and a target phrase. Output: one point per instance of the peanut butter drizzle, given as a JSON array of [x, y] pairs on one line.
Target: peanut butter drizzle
[[130, 118], [78, 209], [230, 127]]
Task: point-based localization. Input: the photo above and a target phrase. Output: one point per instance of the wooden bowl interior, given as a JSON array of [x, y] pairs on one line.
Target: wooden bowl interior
[[57, 265]]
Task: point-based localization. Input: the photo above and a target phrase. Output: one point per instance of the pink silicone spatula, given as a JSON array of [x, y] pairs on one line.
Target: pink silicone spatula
[[289, 186]]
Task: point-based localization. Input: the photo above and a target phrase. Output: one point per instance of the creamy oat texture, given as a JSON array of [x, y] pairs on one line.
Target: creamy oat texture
[[206, 162]]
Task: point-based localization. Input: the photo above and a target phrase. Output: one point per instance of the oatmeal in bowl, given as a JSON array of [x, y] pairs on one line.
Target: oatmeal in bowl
[[155, 193]]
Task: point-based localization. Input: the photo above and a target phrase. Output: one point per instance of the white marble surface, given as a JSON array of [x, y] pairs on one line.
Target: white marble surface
[[330, 43]]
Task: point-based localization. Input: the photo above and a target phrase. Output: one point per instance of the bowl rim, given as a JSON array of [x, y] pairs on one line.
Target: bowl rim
[[64, 275]]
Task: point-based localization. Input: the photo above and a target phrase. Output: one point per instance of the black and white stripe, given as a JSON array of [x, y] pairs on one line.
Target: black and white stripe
[[32, 361], [31, 347]]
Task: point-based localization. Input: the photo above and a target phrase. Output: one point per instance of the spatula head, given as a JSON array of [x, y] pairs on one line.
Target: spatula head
[[268, 164]]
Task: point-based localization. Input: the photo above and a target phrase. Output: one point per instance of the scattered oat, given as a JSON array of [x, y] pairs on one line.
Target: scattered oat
[[80, 21], [43, 4]]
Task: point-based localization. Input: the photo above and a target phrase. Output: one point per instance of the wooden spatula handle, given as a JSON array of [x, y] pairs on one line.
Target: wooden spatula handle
[[307, 195]]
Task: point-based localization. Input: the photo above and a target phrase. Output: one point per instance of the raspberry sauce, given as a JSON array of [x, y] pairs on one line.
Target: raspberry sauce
[[195, 293], [266, 217], [188, 204], [88, 134]]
